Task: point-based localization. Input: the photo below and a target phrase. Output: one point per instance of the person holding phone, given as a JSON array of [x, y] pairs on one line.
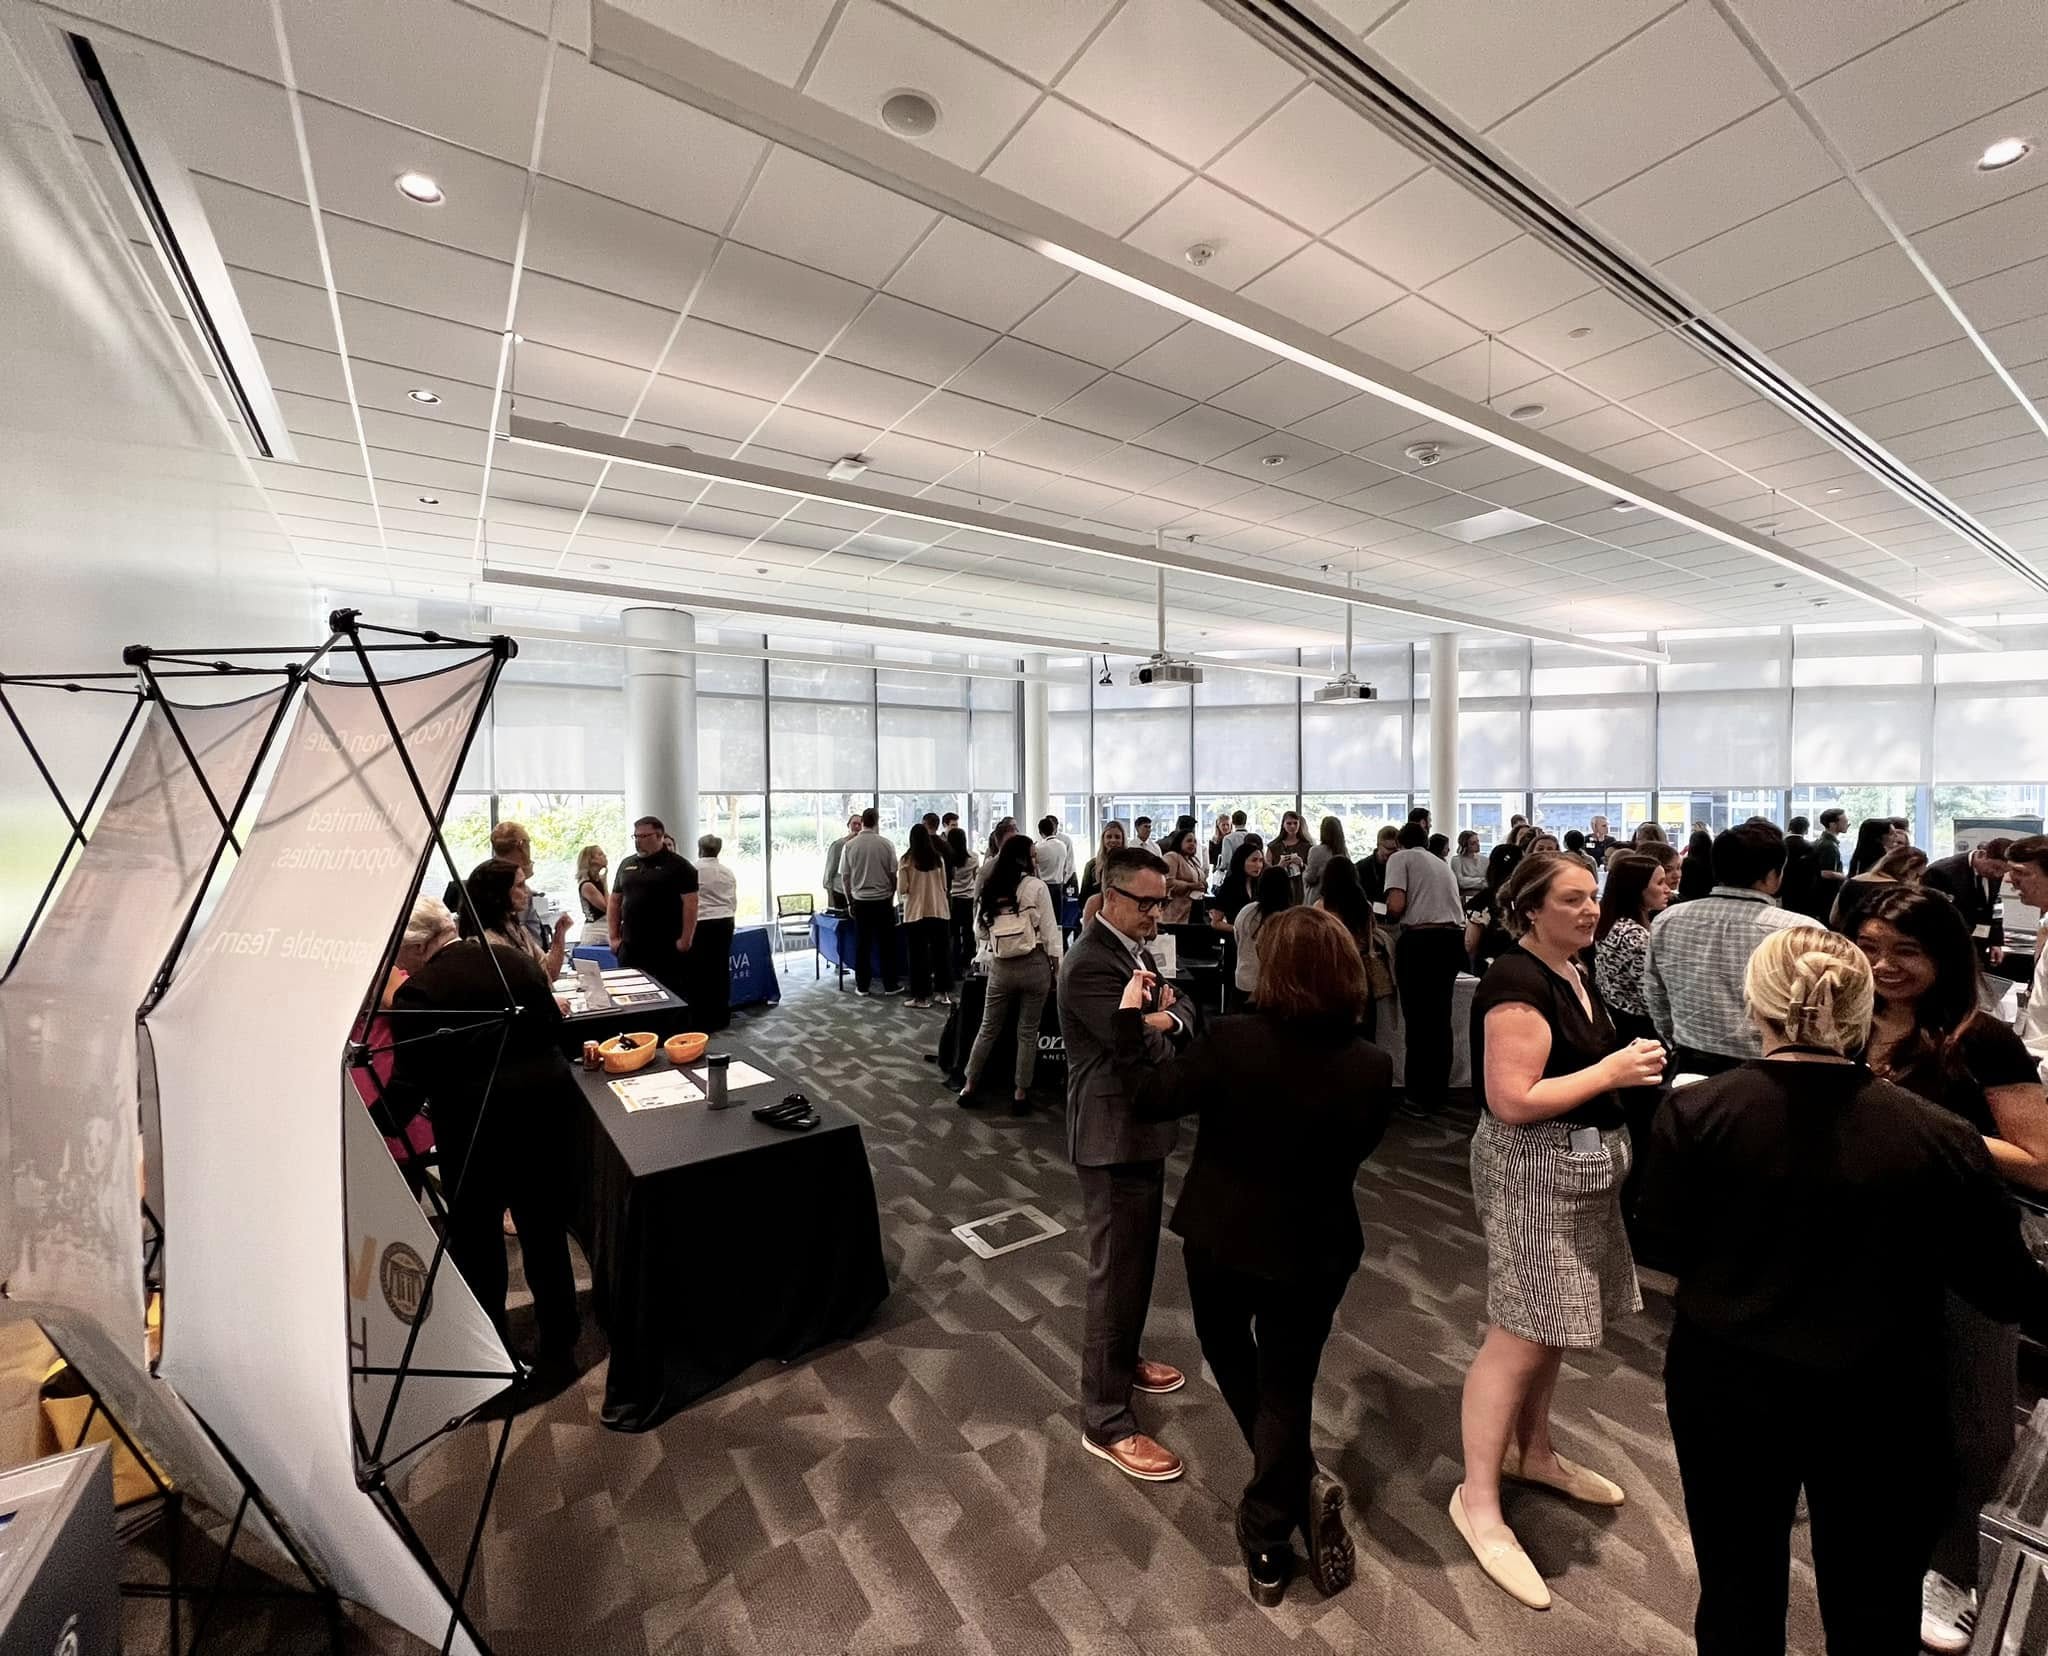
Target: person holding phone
[[1548, 1163]]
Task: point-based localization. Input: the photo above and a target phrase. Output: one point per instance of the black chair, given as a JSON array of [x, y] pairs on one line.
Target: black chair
[[793, 921]]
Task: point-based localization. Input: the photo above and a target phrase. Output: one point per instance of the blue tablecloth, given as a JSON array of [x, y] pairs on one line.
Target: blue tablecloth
[[832, 935], [753, 965]]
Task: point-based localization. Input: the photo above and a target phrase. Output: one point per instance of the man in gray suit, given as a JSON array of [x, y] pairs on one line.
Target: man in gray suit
[[1121, 1161]]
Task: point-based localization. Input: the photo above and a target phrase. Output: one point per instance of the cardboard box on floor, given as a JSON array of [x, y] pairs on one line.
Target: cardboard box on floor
[[33, 1426]]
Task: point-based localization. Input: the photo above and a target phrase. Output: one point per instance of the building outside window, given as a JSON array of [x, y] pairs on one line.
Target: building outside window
[[1561, 809], [1678, 809], [1983, 799], [1860, 801]]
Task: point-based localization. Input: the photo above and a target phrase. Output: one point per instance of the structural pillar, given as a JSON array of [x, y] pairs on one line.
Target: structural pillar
[[1443, 733], [661, 722], [1032, 801]]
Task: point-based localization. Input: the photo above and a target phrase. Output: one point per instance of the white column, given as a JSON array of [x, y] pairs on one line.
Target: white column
[[1443, 733], [1031, 803], [661, 723]]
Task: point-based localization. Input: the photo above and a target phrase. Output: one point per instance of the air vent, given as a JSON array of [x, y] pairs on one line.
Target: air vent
[[169, 208], [1296, 34]]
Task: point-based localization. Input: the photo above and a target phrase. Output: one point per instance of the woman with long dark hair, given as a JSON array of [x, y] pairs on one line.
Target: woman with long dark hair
[[1290, 847], [1343, 896], [960, 886], [1486, 939], [1329, 844], [1275, 894], [1291, 1101], [498, 894], [1016, 919], [1184, 881], [924, 881], [1240, 884], [1634, 896], [1874, 837], [1696, 873], [1930, 1036], [1854, 895]]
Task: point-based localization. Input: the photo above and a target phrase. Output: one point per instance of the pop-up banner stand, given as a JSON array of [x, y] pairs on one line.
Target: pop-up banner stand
[[71, 1234], [311, 1316]]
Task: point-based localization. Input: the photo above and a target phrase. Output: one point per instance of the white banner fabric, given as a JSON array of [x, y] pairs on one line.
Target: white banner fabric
[[71, 1205], [250, 1045]]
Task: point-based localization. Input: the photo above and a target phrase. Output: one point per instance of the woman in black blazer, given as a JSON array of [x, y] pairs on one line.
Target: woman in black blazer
[[1292, 1098]]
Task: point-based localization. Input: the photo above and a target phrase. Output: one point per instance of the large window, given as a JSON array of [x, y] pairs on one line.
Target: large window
[[1872, 800], [805, 824], [1262, 811], [737, 820], [2020, 801], [1487, 815], [1561, 810], [561, 825], [1163, 809], [1681, 810], [1363, 815]]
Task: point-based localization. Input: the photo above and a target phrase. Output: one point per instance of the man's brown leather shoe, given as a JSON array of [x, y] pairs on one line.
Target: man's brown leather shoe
[[1139, 1456], [1157, 1377]]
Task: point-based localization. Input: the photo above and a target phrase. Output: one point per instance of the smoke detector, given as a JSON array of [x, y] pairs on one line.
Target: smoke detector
[[1200, 253], [1424, 454]]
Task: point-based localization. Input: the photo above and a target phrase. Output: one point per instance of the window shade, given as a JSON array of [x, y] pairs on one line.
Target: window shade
[[1597, 744], [923, 749], [1247, 749], [1859, 735], [1489, 748], [992, 755], [558, 738], [1142, 749], [822, 746], [1989, 735], [1066, 757], [1731, 739], [731, 748], [1353, 747]]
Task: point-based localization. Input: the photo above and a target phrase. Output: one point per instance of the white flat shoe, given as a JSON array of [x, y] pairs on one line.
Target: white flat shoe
[[1579, 1482], [1500, 1555]]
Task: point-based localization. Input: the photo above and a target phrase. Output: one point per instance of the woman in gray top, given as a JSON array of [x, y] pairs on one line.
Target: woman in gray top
[[1329, 843]]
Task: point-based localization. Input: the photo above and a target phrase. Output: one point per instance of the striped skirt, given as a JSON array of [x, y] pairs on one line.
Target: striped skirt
[[1558, 1265]]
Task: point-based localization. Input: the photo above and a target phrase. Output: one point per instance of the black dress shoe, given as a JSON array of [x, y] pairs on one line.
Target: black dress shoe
[[1331, 1555], [1266, 1576]]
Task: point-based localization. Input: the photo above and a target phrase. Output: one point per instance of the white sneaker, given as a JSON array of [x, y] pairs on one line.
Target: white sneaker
[[1948, 1614]]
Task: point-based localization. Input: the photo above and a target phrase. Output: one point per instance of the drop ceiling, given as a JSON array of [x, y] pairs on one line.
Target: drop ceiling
[[678, 279]]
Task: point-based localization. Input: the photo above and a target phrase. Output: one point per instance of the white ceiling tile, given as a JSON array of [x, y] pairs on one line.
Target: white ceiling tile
[[1888, 381], [1486, 369], [1197, 361], [1989, 239], [619, 138], [1096, 322], [1692, 399], [1036, 40], [1128, 466], [1640, 367], [2008, 296], [848, 391], [1939, 180], [603, 243], [1409, 333], [1181, 77], [1669, 86], [1322, 289], [1355, 163], [1201, 434], [1598, 428], [1064, 158], [1862, 286], [829, 220], [1510, 285], [428, 345], [1297, 456], [688, 406], [1893, 333], [712, 354], [777, 298], [967, 272], [355, 158], [1805, 40], [1803, 236], [1963, 63], [874, 52], [901, 338], [261, 232], [596, 324], [1246, 240], [1761, 162], [964, 422], [424, 276], [1120, 407], [1481, 59], [815, 439], [544, 372], [448, 70], [1607, 320], [1024, 376], [771, 37], [1425, 229], [1356, 424], [1283, 394], [1056, 447]]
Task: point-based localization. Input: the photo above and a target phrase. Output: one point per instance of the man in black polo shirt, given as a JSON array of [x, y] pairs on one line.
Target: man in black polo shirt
[[652, 915]]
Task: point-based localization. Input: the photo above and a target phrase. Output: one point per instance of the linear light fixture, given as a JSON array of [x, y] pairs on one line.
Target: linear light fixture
[[968, 635], [740, 652], [665, 62], [679, 462]]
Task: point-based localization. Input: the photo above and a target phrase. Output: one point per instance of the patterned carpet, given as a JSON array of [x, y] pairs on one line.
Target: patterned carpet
[[922, 1489]]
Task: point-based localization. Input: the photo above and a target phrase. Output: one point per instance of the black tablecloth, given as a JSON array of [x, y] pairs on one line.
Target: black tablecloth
[[715, 1241], [665, 1017]]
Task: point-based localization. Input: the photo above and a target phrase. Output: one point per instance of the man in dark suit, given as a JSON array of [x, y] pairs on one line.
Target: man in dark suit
[[1120, 1159], [1974, 881]]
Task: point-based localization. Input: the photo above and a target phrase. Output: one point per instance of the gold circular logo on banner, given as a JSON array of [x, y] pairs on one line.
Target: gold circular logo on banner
[[402, 1274]]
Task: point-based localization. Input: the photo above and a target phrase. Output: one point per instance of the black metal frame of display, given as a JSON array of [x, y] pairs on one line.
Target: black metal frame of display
[[149, 669]]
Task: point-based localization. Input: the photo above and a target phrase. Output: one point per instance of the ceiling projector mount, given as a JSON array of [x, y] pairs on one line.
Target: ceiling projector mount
[[1162, 668], [1347, 686]]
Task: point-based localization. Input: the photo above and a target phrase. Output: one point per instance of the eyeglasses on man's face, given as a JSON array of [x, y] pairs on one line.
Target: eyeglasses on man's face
[[1144, 905]]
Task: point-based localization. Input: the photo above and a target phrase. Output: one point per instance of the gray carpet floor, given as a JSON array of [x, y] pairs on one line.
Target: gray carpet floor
[[922, 1489]]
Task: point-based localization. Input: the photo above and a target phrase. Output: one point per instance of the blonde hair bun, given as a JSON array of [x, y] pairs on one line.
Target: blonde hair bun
[[1813, 987]]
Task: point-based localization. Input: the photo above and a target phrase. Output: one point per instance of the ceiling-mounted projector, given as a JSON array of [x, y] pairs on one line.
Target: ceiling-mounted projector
[[1347, 688], [1162, 669]]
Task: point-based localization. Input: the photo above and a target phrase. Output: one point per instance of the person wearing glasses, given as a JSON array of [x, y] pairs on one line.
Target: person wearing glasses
[[1120, 1158]]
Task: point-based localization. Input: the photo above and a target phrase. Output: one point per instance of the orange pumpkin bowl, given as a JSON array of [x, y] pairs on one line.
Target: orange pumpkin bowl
[[623, 1054], [686, 1048]]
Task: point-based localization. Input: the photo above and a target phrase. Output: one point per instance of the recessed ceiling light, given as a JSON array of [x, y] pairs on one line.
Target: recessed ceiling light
[[420, 394], [1626, 506], [847, 467], [1834, 491], [430, 500], [1579, 333], [1525, 411], [417, 186], [2003, 154], [1272, 459], [909, 114]]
